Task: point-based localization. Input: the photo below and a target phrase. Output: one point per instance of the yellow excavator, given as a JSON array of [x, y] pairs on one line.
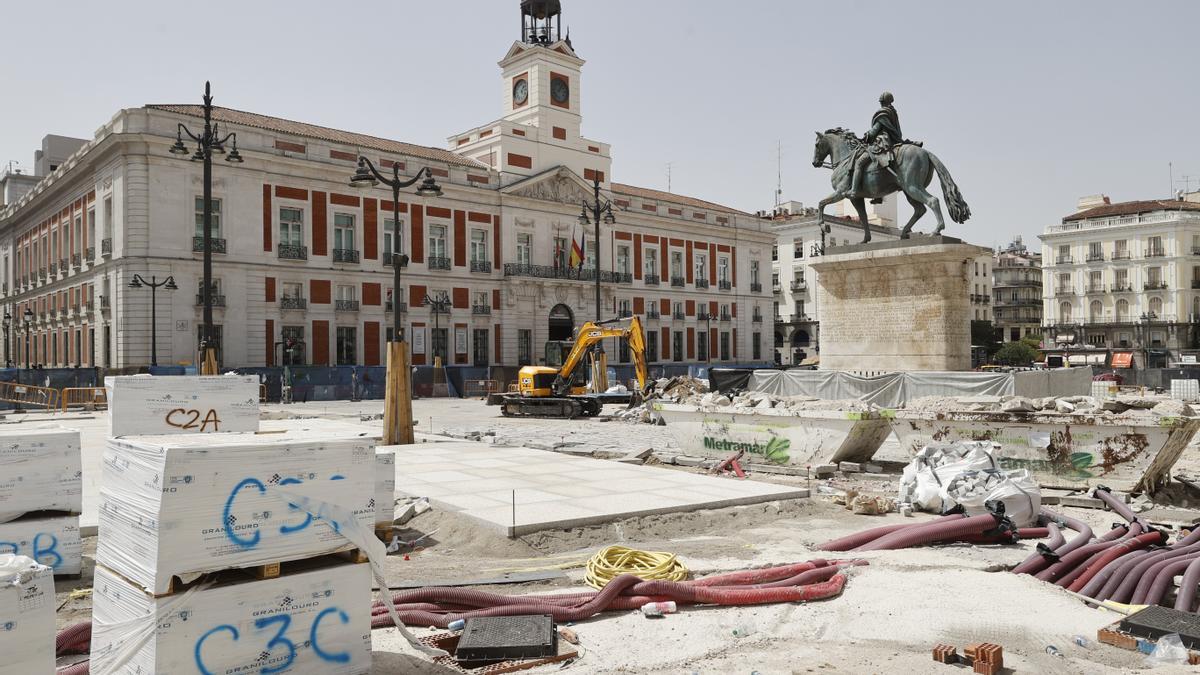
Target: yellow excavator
[[544, 391]]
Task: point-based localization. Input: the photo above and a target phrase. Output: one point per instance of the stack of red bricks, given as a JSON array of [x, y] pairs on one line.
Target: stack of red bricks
[[984, 658]]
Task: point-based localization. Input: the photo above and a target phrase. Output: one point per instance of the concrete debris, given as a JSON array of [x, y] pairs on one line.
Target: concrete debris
[[867, 505], [1128, 406], [1018, 404]]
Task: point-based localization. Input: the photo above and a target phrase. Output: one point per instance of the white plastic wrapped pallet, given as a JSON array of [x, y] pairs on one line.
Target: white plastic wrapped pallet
[[53, 542], [385, 486], [966, 473], [40, 470], [309, 622], [26, 616], [147, 404], [186, 505]]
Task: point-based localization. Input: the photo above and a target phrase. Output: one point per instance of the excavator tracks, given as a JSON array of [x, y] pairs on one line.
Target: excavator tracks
[[553, 408]]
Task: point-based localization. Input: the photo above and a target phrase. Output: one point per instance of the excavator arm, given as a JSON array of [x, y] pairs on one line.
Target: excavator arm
[[589, 335]]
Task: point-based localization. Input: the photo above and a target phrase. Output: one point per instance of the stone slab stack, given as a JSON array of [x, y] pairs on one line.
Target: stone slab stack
[[26, 616], [41, 496]]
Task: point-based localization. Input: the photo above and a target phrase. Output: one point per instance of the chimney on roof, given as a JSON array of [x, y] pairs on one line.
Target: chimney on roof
[[1091, 202]]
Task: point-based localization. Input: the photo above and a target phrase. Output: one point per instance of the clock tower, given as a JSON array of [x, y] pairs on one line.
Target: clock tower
[[541, 125]]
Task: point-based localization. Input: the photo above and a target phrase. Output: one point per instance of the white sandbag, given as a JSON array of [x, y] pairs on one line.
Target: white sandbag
[[26, 616], [187, 505], [40, 470], [385, 487], [934, 465], [53, 542], [1017, 490], [148, 404], [316, 621]]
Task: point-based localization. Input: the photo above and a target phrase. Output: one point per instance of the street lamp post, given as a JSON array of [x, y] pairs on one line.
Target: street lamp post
[[397, 415], [600, 209], [438, 305], [154, 284], [28, 339], [208, 143], [7, 339]]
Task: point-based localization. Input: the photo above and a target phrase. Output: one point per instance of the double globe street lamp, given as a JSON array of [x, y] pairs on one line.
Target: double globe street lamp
[[154, 284], [601, 209], [209, 142]]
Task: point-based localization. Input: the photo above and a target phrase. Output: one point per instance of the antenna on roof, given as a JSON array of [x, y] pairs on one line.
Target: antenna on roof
[[779, 173], [669, 164]]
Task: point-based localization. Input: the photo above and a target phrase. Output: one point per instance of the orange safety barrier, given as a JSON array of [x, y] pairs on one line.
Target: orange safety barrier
[[27, 394], [89, 398], [480, 387]]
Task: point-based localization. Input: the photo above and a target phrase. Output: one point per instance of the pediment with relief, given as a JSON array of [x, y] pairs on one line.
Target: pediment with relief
[[557, 185]]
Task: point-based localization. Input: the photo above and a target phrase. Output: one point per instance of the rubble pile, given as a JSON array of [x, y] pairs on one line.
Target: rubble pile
[[1130, 406]]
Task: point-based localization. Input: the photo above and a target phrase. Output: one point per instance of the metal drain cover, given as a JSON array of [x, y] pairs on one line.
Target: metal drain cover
[[496, 638], [1155, 622]]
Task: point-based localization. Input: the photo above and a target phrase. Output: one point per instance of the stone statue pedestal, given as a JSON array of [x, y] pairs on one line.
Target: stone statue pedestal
[[897, 305]]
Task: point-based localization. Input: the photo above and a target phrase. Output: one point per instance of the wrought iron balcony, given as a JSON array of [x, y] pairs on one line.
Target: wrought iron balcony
[[725, 316], [106, 247], [388, 306], [776, 286], [757, 317], [1121, 255], [678, 316], [701, 282], [1156, 253], [1093, 289], [703, 316], [1063, 260], [439, 263], [481, 310], [345, 255], [624, 314], [725, 285], [286, 303], [62, 264], [650, 279], [90, 255], [1064, 290], [1122, 288], [217, 300], [345, 305], [292, 252], [678, 282], [1095, 257], [105, 303], [483, 266], [53, 269], [76, 261], [756, 287], [799, 286], [653, 314], [550, 272], [1155, 285], [218, 245]]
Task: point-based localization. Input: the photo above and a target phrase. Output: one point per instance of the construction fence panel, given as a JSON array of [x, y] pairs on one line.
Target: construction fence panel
[[322, 383], [88, 398]]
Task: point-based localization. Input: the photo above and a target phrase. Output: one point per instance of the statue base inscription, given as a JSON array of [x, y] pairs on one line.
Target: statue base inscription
[[897, 306]]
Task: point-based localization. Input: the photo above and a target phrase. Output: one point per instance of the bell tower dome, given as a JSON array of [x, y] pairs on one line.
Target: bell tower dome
[[541, 21]]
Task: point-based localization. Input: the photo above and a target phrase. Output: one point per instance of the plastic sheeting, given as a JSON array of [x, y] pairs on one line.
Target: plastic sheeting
[[892, 390], [26, 616]]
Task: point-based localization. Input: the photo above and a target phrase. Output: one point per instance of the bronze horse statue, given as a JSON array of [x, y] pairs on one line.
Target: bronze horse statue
[[910, 173]]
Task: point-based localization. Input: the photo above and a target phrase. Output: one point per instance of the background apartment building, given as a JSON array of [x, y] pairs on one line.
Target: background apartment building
[[1124, 283], [1017, 292], [301, 256]]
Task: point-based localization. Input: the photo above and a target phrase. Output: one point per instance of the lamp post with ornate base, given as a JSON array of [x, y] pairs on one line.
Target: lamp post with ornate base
[[601, 209], [397, 406], [154, 284]]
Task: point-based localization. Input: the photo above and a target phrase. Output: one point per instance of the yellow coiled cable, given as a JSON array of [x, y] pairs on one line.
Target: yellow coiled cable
[[614, 561]]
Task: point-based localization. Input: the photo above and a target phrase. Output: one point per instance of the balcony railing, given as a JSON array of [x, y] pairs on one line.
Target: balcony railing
[[1063, 260], [345, 305], [678, 282], [756, 317], [701, 282], [1064, 290], [1093, 289], [678, 316], [218, 245], [624, 314], [388, 306], [1155, 285], [798, 286], [106, 247], [725, 285], [53, 269], [90, 255], [105, 303], [1195, 283], [62, 264], [286, 303], [481, 310], [725, 316], [1122, 288], [1121, 255], [776, 286], [217, 300], [76, 261], [1095, 257], [1156, 253], [345, 255], [703, 316], [756, 288], [483, 266], [439, 263], [551, 272], [1018, 302], [653, 314], [292, 252]]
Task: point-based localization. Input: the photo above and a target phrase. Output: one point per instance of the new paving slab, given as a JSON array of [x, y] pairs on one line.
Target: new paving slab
[[521, 490]]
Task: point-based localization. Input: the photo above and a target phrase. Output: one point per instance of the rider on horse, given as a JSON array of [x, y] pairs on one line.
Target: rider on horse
[[883, 135]]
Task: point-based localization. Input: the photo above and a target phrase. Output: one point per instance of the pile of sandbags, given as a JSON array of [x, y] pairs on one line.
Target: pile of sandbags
[[41, 496], [965, 474]]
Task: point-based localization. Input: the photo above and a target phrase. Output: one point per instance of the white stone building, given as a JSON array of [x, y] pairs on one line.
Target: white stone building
[[302, 255], [1017, 292], [1122, 282]]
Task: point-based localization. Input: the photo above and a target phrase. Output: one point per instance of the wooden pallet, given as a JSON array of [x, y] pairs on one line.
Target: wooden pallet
[[265, 571]]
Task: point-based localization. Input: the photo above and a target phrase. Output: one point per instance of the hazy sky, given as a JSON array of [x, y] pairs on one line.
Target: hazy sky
[[1031, 104]]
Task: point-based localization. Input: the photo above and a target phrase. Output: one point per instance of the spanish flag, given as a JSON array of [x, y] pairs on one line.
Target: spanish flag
[[577, 251]]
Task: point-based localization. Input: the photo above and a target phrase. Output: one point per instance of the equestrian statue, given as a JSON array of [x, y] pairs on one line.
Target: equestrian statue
[[881, 163]]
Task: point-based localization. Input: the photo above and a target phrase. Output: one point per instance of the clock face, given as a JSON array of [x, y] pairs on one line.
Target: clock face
[[521, 92], [560, 91]]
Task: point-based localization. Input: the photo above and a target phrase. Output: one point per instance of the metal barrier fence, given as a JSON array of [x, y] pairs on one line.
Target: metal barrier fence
[[480, 387], [88, 398], [29, 395]]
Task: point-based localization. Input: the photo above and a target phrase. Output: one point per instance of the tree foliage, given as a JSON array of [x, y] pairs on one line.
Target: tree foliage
[[1016, 354]]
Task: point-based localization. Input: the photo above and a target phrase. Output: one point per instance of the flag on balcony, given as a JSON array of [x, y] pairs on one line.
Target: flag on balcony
[[577, 251]]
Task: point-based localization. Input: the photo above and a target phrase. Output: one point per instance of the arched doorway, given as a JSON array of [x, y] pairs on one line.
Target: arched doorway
[[562, 324]]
